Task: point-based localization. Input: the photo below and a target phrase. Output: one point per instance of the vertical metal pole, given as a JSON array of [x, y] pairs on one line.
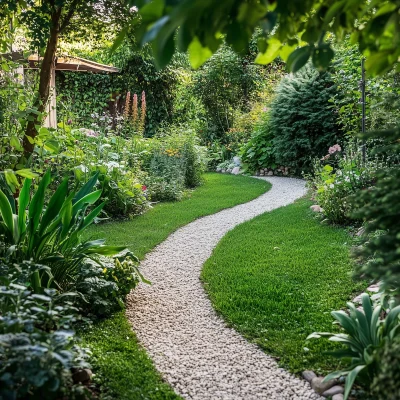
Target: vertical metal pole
[[363, 148]]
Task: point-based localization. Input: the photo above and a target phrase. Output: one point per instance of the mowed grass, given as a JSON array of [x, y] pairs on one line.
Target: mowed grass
[[146, 231], [120, 363], [277, 278]]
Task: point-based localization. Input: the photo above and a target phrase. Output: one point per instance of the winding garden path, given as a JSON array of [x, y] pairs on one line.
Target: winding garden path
[[191, 346]]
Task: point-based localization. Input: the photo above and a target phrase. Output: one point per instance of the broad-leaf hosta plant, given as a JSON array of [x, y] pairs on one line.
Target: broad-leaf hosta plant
[[49, 232], [365, 333]]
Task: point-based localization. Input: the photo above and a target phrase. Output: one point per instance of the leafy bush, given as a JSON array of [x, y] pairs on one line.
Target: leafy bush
[[50, 234], [365, 333], [386, 383], [104, 288], [37, 348], [259, 152], [338, 176], [379, 207], [302, 121]]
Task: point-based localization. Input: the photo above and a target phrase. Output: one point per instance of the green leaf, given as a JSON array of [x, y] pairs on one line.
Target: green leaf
[[86, 188], [152, 10], [90, 198], [198, 54], [119, 39], [26, 173], [105, 250], [298, 58], [66, 219], [36, 206], [273, 50], [322, 57], [351, 377], [23, 202], [92, 215], [55, 205], [6, 213]]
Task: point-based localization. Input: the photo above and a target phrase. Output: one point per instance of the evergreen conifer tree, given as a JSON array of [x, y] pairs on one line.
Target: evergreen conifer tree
[[303, 122]]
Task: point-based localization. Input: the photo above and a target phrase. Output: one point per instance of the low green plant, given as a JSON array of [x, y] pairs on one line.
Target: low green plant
[[386, 383], [104, 288], [38, 349], [338, 176], [50, 234], [365, 332]]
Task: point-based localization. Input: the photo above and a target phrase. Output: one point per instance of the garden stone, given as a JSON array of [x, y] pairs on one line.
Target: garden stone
[[191, 346], [223, 170], [317, 208], [319, 386], [373, 288], [82, 375], [360, 232], [236, 171], [333, 390], [308, 375], [237, 161], [337, 397], [219, 169], [270, 173]]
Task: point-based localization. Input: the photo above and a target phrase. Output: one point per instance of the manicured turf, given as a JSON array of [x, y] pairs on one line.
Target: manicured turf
[[121, 365], [144, 232], [277, 278]]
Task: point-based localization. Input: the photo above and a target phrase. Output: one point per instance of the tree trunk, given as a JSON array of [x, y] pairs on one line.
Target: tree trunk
[[44, 83]]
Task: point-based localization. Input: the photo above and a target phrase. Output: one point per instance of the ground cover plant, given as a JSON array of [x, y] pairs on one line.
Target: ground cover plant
[[117, 357], [276, 279]]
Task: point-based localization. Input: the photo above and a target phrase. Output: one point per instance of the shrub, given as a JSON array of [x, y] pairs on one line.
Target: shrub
[[364, 333], [338, 176], [302, 121], [379, 207], [386, 383], [37, 348], [50, 234], [104, 288], [259, 151]]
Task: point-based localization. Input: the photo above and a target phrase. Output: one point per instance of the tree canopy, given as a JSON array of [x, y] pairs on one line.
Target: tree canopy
[[296, 30]]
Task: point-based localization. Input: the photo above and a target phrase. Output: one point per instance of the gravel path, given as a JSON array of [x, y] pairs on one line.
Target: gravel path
[[194, 350]]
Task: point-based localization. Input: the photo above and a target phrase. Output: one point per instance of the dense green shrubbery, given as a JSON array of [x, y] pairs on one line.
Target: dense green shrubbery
[[259, 151], [340, 175], [386, 383], [302, 120], [38, 349], [379, 207]]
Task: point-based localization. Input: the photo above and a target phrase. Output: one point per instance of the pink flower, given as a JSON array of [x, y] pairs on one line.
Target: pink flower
[[335, 148], [144, 188]]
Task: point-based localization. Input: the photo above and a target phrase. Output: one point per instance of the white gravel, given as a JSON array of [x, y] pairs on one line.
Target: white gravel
[[194, 350]]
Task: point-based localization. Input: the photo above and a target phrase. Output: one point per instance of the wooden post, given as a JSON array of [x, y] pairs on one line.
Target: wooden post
[[51, 118]]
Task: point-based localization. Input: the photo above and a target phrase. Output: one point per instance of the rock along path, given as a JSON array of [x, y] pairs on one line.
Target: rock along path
[[191, 346]]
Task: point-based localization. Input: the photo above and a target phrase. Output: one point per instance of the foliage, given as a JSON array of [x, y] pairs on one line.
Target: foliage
[[174, 162], [276, 276], [38, 350], [338, 176], [382, 94], [199, 28], [385, 385], [51, 234], [259, 152], [301, 119], [104, 288], [365, 332], [379, 208], [225, 85]]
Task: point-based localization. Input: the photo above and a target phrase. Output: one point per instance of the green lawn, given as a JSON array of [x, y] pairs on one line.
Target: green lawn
[[120, 364], [277, 278], [144, 232]]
